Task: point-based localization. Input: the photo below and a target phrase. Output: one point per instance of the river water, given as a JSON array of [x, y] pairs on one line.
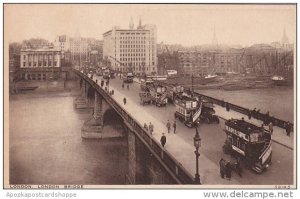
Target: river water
[[46, 145], [279, 101]]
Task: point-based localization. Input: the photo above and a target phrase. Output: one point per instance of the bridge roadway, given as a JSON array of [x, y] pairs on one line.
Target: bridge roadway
[[180, 145]]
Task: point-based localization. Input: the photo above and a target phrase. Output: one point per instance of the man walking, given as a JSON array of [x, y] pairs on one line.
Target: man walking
[[151, 127], [271, 128], [168, 126], [163, 140], [288, 129], [222, 167], [124, 100], [174, 127]]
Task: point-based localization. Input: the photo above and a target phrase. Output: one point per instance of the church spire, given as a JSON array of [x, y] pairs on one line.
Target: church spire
[[140, 24], [131, 25]]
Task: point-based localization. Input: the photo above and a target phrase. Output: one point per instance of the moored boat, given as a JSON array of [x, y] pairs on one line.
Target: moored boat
[[280, 81], [158, 77]]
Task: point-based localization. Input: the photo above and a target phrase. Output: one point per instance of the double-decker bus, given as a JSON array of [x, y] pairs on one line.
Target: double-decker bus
[[249, 142]]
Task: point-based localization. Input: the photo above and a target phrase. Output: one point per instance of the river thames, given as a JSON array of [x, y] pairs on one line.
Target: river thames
[[279, 101], [46, 145]]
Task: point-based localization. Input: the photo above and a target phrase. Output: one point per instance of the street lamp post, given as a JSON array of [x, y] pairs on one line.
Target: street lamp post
[[197, 144], [192, 85]]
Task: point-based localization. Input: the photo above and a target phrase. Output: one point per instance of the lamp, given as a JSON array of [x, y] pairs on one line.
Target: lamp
[[197, 144]]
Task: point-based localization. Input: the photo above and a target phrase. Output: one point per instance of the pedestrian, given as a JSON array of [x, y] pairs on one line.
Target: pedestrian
[[168, 126], [268, 114], [174, 127], [227, 107], [124, 100], [249, 114], [271, 128], [262, 127], [163, 140], [288, 129], [146, 127], [223, 103], [254, 113], [123, 86], [238, 166], [228, 170], [222, 167], [96, 81], [151, 127]]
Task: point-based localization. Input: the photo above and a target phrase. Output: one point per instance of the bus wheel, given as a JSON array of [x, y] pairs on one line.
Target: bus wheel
[[216, 119], [207, 120]]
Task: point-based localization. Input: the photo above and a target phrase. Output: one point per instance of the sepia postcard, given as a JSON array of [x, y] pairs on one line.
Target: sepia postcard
[[197, 96]]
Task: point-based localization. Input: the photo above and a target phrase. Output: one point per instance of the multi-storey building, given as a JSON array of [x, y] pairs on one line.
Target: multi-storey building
[[62, 43], [45, 57], [195, 62], [79, 49], [228, 61], [131, 50], [40, 64]]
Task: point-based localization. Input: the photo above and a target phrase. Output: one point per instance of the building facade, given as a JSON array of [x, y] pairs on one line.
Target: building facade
[[40, 58], [79, 50], [195, 62], [40, 64], [131, 50], [62, 43]]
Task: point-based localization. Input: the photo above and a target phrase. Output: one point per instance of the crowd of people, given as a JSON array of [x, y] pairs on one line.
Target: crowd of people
[[269, 120]]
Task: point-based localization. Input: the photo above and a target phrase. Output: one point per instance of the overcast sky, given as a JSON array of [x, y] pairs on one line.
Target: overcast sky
[[176, 24]]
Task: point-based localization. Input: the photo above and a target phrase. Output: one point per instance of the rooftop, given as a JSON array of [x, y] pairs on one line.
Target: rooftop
[[41, 50], [243, 126]]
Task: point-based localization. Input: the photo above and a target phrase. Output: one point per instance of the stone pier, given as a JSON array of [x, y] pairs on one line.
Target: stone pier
[[92, 128], [81, 102]]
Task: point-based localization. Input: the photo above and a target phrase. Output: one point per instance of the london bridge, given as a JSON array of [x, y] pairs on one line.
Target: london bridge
[[127, 109]]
